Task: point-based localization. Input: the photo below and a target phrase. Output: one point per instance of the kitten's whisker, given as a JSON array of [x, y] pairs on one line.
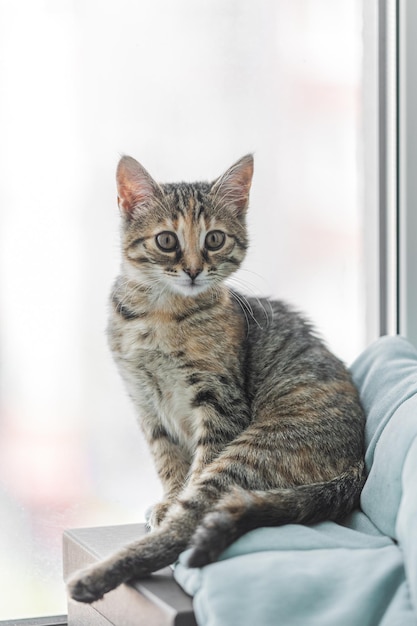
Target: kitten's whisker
[[245, 304], [131, 288], [249, 287], [264, 280], [250, 310], [237, 299]]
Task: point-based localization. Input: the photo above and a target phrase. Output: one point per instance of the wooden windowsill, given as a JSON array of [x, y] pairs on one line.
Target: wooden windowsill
[[156, 601], [56, 620]]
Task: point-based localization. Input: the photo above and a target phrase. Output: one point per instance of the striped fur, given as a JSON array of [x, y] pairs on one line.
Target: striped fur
[[250, 419]]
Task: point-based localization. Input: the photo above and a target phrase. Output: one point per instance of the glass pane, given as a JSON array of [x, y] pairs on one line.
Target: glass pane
[[187, 88]]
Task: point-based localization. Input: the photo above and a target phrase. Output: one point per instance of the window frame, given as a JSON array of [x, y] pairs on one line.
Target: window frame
[[54, 620], [387, 167], [397, 184], [406, 158]]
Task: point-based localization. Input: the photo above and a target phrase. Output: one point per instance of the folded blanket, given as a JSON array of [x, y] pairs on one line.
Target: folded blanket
[[361, 573]]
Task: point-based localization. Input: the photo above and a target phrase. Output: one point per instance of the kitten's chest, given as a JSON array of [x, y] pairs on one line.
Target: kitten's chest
[[163, 347], [164, 392], [167, 360], [155, 361], [171, 344]]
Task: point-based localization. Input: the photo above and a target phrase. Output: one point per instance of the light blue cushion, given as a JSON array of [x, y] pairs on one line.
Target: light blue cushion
[[386, 375], [406, 527], [362, 573]]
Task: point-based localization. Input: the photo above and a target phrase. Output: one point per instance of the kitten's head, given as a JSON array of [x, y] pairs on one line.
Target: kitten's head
[[183, 238]]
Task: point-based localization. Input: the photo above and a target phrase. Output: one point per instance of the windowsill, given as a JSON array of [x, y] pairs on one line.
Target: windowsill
[[56, 620], [157, 600]]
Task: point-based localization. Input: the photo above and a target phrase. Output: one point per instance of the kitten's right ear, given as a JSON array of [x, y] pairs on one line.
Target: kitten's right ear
[[134, 185]]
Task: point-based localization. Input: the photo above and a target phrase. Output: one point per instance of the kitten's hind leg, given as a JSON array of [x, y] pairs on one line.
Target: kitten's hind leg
[[137, 560], [161, 547], [151, 553]]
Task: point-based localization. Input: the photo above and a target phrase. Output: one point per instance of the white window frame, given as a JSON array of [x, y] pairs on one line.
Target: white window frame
[[397, 138], [407, 168], [387, 160]]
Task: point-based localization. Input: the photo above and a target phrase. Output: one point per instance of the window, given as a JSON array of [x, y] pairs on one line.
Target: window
[[406, 22], [187, 88]]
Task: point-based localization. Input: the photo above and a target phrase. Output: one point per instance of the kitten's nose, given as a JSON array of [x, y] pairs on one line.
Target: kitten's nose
[[193, 273]]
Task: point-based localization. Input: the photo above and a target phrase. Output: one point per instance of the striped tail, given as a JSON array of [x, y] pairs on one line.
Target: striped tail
[[240, 511]]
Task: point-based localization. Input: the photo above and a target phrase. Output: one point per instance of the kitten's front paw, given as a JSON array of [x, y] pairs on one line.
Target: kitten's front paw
[[86, 586], [156, 514]]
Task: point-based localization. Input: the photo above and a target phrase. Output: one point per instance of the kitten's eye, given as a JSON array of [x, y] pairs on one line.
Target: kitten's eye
[[166, 241], [215, 240]]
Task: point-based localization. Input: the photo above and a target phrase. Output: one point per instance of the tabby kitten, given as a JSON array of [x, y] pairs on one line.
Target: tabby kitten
[[250, 419]]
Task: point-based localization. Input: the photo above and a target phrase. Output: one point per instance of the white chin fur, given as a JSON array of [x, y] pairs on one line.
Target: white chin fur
[[188, 288]]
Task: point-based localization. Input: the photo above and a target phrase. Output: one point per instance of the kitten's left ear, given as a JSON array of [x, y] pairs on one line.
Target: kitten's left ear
[[234, 185]]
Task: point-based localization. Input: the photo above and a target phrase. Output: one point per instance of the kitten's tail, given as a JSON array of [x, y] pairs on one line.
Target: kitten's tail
[[240, 511]]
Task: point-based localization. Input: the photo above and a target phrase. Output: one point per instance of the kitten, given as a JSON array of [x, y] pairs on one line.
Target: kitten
[[250, 419]]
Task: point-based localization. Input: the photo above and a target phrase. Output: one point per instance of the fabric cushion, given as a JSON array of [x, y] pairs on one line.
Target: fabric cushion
[[386, 375], [361, 573]]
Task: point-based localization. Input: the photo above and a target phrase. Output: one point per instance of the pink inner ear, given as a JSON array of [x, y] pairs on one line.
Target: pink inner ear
[[134, 185]]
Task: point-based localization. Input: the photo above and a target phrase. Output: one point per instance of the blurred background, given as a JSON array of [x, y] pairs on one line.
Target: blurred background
[[186, 88]]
